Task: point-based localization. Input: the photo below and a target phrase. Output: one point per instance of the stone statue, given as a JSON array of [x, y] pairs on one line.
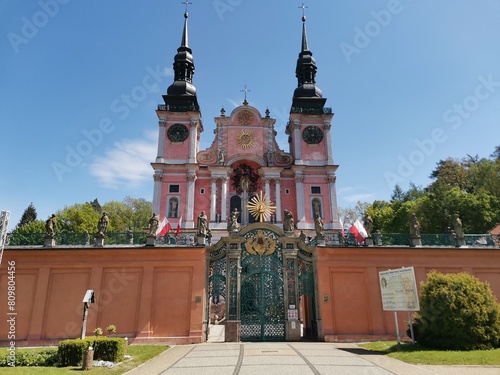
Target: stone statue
[[102, 224], [302, 236], [288, 225], [51, 226], [457, 226], [202, 224], [318, 226], [154, 222], [368, 224], [232, 224], [209, 237], [221, 157], [316, 207], [414, 226]]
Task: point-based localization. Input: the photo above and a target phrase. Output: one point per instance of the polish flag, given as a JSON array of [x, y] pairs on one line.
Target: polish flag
[[164, 227], [178, 230], [358, 231]]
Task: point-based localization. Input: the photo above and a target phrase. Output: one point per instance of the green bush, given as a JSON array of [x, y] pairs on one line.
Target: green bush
[[70, 352], [42, 357], [457, 312]]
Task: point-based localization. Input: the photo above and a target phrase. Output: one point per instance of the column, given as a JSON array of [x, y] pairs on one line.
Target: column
[[301, 216], [223, 206], [328, 142], [297, 142], [213, 200], [267, 189], [157, 193], [191, 178], [277, 186], [161, 141], [193, 136], [332, 191]]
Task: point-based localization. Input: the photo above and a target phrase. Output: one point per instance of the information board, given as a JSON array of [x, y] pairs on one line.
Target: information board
[[399, 290]]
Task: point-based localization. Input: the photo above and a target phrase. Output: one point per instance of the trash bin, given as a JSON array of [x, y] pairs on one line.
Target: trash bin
[[88, 359]]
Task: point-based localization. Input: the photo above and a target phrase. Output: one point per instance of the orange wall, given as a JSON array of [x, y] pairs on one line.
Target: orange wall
[[147, 293], [348, 280]]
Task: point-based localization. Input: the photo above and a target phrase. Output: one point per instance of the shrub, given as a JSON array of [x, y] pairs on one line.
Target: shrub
[[41, 357], [70, 352], [457, 312]]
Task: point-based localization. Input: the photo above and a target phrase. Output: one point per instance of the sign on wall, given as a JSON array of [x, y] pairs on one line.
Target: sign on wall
[[399, 290]]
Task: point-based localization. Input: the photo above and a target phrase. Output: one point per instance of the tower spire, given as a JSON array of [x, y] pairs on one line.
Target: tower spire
[[307, 95], [181, 94]]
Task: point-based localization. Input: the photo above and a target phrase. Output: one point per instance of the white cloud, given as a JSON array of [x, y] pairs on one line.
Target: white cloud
[[127, 164], [363, 197]]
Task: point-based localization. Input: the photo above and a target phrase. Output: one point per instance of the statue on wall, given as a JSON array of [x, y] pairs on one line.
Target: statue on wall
[[414, 226], [288, 225], [221, 157], [316, 204], [232, 224], [51, 226], [368, 224], [457, 226], [202, 224], [154, 222], [318, 226], [102, 224]]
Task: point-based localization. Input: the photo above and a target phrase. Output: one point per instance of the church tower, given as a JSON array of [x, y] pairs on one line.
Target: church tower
[[180, 126], [310, 145]]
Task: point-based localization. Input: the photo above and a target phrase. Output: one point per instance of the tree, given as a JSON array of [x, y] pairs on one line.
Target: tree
[[29, 215], [96, 205], [78, 218]]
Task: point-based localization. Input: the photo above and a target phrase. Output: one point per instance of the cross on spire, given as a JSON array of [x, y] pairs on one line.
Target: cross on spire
[[245, 90], [187, 3], [303, 7]]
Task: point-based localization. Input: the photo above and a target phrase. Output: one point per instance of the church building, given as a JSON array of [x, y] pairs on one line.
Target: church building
[[244, 158]]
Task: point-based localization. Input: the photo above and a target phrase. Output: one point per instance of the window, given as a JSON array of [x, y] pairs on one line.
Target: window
[[287, 191], [315, 189], [202, 191], [173, 189]]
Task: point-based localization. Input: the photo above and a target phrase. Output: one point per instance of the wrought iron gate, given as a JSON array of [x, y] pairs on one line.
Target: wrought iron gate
[[262, 291]]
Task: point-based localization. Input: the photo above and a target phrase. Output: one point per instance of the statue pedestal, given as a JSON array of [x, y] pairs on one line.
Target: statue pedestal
[[289, 234], [99, 240], [233, 233], [415, 241], [150, 240], [200, 238], [320, 240], [459, 241], [49, 241], [368, 241]]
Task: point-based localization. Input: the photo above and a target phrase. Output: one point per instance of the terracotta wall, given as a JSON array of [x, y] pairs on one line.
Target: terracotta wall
[[349, 289], [150, 294]]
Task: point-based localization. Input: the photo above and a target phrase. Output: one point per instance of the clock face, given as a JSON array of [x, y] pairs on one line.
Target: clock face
[[178, 133], [312, 135]]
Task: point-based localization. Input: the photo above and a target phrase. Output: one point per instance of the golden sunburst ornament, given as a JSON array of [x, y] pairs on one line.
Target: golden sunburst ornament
[[261, 207], [245, 139]]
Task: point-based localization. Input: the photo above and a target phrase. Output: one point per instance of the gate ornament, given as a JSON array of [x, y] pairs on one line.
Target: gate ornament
[[260, 245], [260, 207]]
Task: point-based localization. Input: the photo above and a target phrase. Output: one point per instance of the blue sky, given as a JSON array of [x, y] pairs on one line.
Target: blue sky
[[410, 83]]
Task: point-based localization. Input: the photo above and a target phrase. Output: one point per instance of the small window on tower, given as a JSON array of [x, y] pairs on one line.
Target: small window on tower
[[202, 191], [287, 191], [315, 189], [173, 189]]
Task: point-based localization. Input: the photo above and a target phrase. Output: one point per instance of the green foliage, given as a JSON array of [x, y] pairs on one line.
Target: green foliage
[[78, 218], [28, 234], [457, 312], [29, 215], [111, 329], [70, 352], [38, 357]]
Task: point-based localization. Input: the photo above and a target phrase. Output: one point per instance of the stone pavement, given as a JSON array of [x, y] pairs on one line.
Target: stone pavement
[[290, 358]]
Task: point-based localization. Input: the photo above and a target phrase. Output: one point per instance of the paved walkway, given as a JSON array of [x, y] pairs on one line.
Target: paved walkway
[[289, 358]]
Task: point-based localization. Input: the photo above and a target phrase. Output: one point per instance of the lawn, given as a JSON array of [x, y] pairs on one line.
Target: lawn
[[139, 354], [417, 355]]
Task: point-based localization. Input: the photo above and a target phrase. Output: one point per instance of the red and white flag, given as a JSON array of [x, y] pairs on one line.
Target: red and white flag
[[358, 231], [164, 227], [178, 230]]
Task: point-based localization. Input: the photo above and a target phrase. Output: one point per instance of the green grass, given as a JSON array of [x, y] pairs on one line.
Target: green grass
[[417, 355], [139, 354]]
